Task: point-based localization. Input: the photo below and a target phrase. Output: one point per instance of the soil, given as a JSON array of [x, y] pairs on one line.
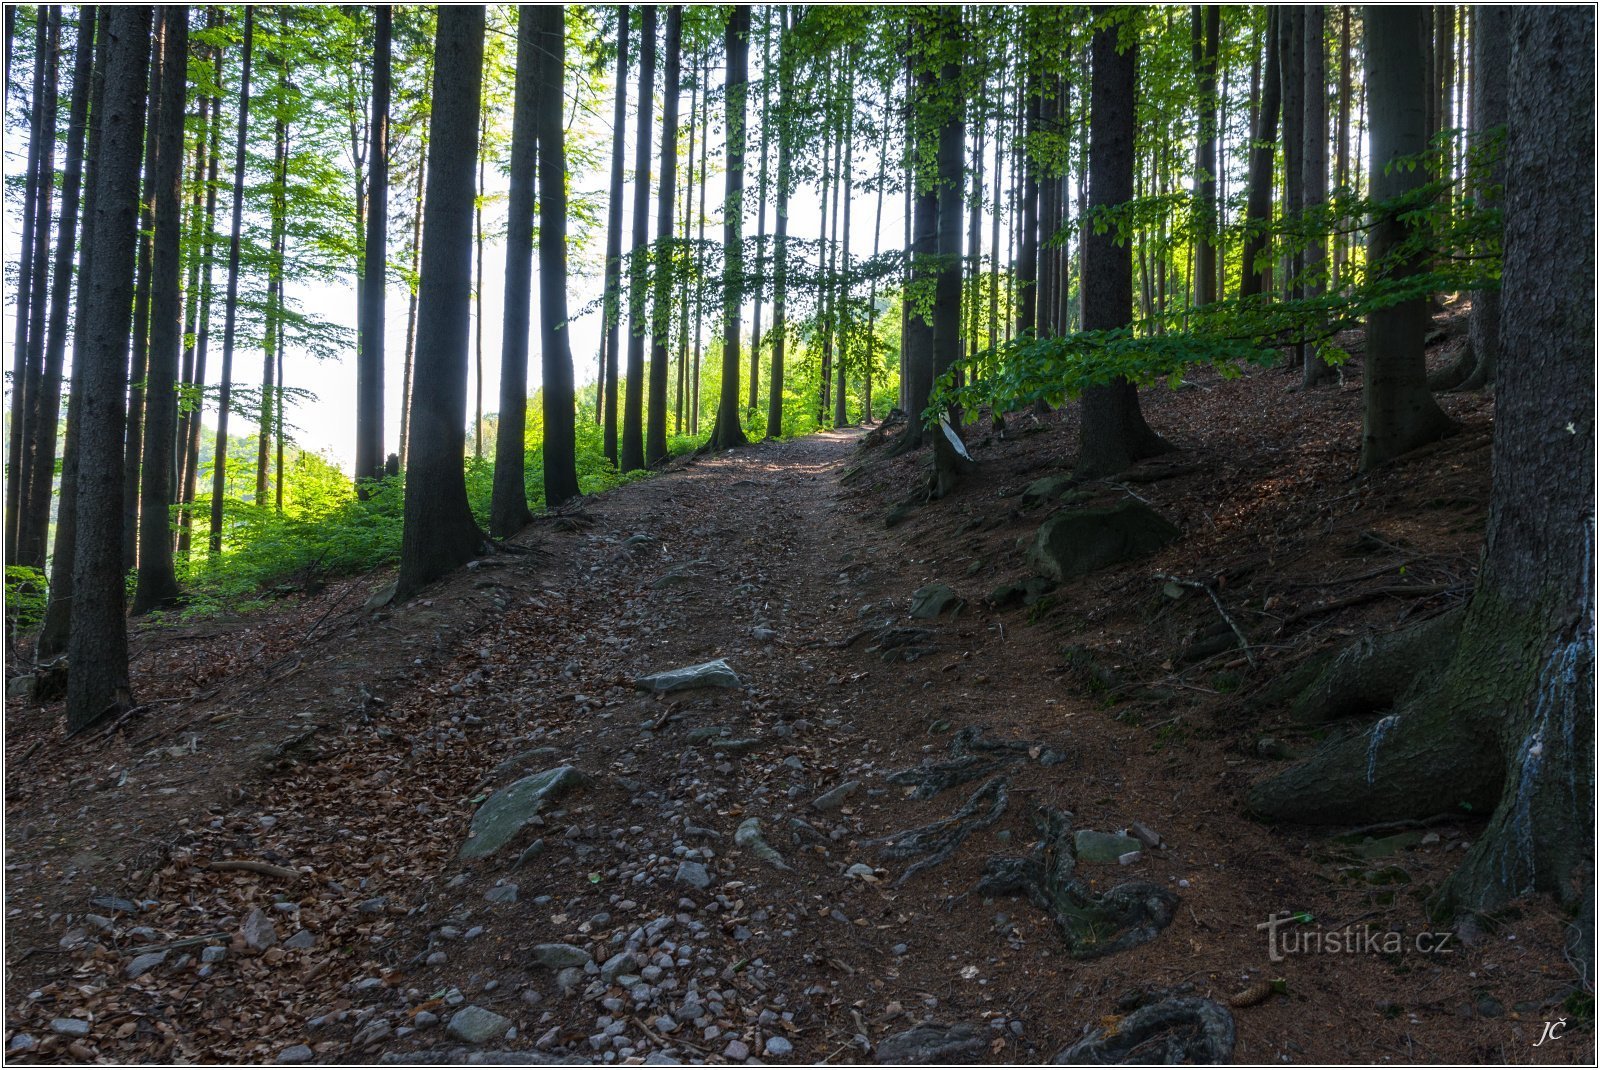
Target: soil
[[347, 747]]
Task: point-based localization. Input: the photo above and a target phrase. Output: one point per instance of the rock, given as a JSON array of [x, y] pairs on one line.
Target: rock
[[1429, 840], [693, 874], [569, 979], [1075, 542], [833, 799], [19, 687], [615, 966], [936, 598], [382, 597], [861, 871], [378, 1029], [20, 1043], [69, 1027], [424, 1019], [930, 1043], [560, 956], [475, 1025], [143, 964], [763, 634], [214, 953], [258, 931], [502, 893], [505, 812], [716, 673], [1092, 846], [1046, 489], [296, 1053], [1145, 834], [737, 1050], [778, 1047], [303, 940], [750, 839]]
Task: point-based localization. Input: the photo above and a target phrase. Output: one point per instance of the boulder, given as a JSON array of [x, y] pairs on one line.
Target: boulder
[[560, 956], [475, 1025], [504, 813], [1091, 846], [936, 598], [1046, 489], [1075, 542], [716, 673]]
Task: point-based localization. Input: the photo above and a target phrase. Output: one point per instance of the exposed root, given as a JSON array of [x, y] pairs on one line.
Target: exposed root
[[1187, 1030], [938, 840], [968, 764]]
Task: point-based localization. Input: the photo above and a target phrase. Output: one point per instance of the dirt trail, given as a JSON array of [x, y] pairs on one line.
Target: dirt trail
[[526, 663]]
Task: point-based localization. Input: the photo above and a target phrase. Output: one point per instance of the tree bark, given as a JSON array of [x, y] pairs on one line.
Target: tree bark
[[780, 239], [1509, 724], [726, 433], [661, 322], [841, 414], [638, 274], [1113, 433], [139, 362], [761, 213], [439, 532], [949, 461], [916, 343], [202, 347], [1291, 71], [560, 430], [219, 479], [1257, 271], [1399, 411], [606, 398], [1314, 175], [375, 269], [158, 581], [1207, 24], [271, 391], [508, 501], [97, 647]]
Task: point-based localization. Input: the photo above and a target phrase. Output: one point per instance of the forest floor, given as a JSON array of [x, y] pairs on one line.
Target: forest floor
[[342, 749]]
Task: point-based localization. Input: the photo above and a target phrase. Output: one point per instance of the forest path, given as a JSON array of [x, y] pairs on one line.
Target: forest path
[[682, 941]]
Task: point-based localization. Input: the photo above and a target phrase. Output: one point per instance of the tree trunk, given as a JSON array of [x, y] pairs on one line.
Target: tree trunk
[[439, 531], [1314, 175], [139, 363], [409, 363], [841, 414], [761, 213], [191, 316], [158, 581], [1257, 271], [681, 264], [726, 433], [97, 648], [1399, 412], [560, 431], [950, 460], [1341, 178], [700, 245], [916, 342], [661, 322], [606, 397], [202, 346], [870, 357], [219, 479], [375, 270], [1509, 724], [780, 238], [270, 388], [633, 401], [1113, 432], [508, 503], [482, 191], [36, 523], [1027, 268], [1291, 43], [1207, 24]]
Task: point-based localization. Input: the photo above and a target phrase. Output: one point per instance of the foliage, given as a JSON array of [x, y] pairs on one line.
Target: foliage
[[26, 594]]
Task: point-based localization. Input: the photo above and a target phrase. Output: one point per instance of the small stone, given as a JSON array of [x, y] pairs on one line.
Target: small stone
[[438, 958], [936, 598], [736, 1050], [424, 1019], [1429, 840], [778, 1047], [258, 931], [143, 964], [475, 1025], [373, 906], [303, 940], [616, 966], [69, 1027], [1145, 834], [503, 893], [900, 949], [560, 956], [20, 1043], [693, 874], [834, 799], [1092, 846], [861, 871], [214, 953], [665, 1024], [296, 1053]]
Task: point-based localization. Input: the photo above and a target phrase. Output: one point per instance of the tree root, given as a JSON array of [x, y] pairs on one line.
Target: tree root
[[967, 763], [1091, 925], [938, 840], [1185, 1030]]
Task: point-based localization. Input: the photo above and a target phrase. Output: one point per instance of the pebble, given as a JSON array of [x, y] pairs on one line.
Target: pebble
[[693, 874], [20, 1043], [504, 893], [737, 1050], [424, 1019], [143, 964], [298, 1053], [300, 941], [475, 1025], [779, 1047], [438, 958], [69, 1027]]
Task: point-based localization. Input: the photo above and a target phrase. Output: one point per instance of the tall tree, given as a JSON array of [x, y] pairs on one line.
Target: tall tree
[[946, 46], [47, 413], [97, 647], [1399, 411], [655, 447], [230, 322], [158, 581], [726, 433], [639, 255], [1257, 269], [1113, 433], [139, 361], [508, 503], [1206, 28], [271, 391], [374, 272], [439, 532], [606, 399], [916, 345], [780, 236], [761, 209], [1291, 72], [1506, 727], [1314, 172], [560, 432]]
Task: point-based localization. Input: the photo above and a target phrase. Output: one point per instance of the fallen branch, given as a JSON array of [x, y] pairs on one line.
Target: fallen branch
[[1371, 594], [266, 869], [1244, 643], [172, 945]]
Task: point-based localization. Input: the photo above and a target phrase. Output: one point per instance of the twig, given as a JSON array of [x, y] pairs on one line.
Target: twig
[[171, 945], [1407, 823], [669, 1043], [1244, 643], [266, 869], [1375, 592]]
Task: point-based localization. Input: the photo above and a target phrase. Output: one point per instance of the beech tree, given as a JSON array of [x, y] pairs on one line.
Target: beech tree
[[560, 467], [606, 390], [727, 433], [632, 455], [375, 262], [661, 318]]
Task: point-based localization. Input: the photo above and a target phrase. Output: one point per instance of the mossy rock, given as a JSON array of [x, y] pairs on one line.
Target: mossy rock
[[1076, 542]]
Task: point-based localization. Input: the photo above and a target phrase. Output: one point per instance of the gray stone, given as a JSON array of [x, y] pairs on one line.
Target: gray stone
[[475, 1025], [861, 871], [502, 893], [560, 956], [20, 1043], [930, 1043], [1145, 834], [143, 964], [19, 687], [69, 1027], [694, 874], [1047, 488], [374, 1031], [569, 979], [214, 953], [424, 1019], [258, 931], [1092, 846], [303, 940], [778, 1047], [296, 1053], [834, 798], [382, 597], [936, 598], [737, 1050], [716, 673], [615, 966], [1075, 542], [505, 812], [748, 837]]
